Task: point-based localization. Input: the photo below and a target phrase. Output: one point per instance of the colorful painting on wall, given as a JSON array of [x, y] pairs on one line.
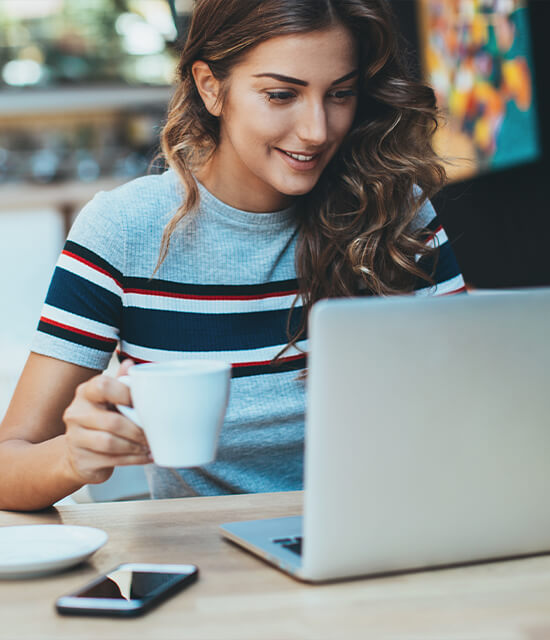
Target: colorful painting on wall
[[476, 54]]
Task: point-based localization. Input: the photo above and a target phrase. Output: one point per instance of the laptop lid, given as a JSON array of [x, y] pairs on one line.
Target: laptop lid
[[427, 432]]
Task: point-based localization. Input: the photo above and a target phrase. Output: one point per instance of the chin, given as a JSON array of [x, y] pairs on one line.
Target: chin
[[298, 190]]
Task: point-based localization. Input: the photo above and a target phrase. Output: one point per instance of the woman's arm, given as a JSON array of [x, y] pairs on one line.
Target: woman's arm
[[60, 432]]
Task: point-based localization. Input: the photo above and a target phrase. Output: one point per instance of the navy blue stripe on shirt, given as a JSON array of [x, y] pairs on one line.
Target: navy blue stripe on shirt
[[93, 259], [294, 363], [168, 330], [82, 297], [78, 337], [433, 225], [446, 266], [281, 366], [222, 291]]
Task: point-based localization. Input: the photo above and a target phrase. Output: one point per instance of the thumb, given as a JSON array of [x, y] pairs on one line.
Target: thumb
[[124, 367]]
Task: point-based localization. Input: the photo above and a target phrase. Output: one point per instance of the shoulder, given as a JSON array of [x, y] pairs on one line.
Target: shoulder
[[147, 189], [426, 214], [147, 197], [138, 209]]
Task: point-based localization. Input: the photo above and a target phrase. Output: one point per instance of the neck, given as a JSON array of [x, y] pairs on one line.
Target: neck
[[245, 197]]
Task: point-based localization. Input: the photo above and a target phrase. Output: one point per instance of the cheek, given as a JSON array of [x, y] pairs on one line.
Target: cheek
[[270, 125], [341, 122], [255, 128]]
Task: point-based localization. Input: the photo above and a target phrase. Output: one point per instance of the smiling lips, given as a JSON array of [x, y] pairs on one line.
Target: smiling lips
[[300, 161], [299, 156]]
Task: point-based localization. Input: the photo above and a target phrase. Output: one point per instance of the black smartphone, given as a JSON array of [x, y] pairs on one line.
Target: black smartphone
[[128, 590]]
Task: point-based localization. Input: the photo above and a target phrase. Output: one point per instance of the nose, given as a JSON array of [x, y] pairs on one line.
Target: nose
[[312, 126]]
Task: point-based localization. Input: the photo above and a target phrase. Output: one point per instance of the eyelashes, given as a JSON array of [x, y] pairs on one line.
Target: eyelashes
[[282, 97], [343, 94], [279, 96]]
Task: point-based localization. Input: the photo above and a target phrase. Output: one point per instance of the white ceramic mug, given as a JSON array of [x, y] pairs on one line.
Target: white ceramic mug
[[180, 405]]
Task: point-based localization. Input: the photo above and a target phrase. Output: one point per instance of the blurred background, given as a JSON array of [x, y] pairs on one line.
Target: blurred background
[[84, 86], [83, 91]]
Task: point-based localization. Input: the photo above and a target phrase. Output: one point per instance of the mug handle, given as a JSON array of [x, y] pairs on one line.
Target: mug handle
[[128, 412]]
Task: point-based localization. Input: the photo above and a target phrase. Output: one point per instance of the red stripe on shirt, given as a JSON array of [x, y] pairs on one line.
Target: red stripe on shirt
[[265, 362], [92, 266], [433, 235], [169, 294], [75, 330], [450, 293], [123, 354]]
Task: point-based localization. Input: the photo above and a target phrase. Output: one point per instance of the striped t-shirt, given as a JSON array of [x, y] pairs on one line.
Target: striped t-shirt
[[224, 291]]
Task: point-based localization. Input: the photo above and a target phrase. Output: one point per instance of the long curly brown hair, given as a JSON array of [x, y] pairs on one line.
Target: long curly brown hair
[[356, 230]]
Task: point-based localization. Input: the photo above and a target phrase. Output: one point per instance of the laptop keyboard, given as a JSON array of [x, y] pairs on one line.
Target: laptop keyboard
[[293, 544]]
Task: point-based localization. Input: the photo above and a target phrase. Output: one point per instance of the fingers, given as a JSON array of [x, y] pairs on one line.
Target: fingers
[[93, 453], [92, 468], [101, 460], [104, 390], [125, 367], [107, 442], [109, 423], [97, 437]]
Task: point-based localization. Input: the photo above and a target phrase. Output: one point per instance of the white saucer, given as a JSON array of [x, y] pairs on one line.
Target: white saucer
[[34, 550]]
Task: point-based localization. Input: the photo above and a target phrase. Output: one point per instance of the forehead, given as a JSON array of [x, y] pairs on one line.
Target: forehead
[[316, 55]]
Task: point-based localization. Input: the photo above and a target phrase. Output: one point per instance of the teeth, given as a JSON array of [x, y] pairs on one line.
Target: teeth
[[300, 157]]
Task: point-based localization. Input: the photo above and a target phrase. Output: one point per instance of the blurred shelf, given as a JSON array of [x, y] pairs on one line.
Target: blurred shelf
[[66, 197], [32, 102], [58, 195]]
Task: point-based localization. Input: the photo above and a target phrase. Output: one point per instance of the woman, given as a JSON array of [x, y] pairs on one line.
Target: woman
[[300, 168]]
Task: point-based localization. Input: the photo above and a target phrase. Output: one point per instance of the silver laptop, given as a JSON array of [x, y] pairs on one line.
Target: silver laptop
[[427, 437]]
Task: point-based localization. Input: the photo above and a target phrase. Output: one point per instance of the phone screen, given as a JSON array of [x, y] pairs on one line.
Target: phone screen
[[128, 589], [124, 584]]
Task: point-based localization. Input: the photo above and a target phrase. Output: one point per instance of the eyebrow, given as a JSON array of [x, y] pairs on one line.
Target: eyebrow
[[303, 83]]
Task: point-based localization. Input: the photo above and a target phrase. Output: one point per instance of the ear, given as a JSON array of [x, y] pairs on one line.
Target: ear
[[207, 86]]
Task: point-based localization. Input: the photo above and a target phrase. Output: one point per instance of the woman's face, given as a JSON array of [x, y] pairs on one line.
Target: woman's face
[[289, 105]]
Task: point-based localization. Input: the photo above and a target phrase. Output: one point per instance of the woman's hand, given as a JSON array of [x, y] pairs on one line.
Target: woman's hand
[[97, 437]]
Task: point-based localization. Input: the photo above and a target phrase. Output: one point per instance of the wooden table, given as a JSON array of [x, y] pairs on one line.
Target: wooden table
[[239, 597]]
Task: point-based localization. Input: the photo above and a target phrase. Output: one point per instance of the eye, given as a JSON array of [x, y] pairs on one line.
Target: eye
[[343, 94], [279, 96]]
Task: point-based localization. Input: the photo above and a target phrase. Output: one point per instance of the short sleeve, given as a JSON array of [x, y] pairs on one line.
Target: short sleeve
[[441, 265], [81, 317]]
